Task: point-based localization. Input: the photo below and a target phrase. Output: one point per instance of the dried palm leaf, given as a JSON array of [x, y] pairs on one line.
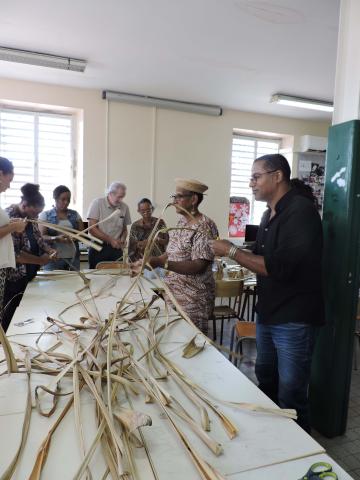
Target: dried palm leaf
[[132, 419], [118, 445], [92, 242], [82, 468], [25, 428], [9, 355], [45, 446], [77, 409], [205, 471], [215, 447], [253, 407], [55, 394], [191, 349]]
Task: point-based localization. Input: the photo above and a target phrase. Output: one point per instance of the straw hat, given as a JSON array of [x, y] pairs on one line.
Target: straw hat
[[191, 185]]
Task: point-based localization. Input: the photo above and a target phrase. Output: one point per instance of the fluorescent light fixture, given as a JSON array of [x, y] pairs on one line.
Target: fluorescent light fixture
[[41, 59], [309, 103], [162, 103]]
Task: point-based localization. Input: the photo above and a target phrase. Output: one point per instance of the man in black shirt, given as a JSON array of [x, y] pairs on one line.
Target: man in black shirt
[[287, 260]]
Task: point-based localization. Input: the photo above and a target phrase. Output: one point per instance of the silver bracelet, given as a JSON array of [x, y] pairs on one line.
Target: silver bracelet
[[232, 252]]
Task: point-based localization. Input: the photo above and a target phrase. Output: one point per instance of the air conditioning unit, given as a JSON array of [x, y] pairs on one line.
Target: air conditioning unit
[[310, 143]]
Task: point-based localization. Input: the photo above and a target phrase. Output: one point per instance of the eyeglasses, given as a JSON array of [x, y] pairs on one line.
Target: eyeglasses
[[179, 196], [254, 178]]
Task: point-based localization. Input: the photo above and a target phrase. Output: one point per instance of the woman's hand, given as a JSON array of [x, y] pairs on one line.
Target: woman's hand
[[17, 225], [141, 244], [53, 254], [44, 259], [220, 247], [50, 256], [135, 268], [116, 243]]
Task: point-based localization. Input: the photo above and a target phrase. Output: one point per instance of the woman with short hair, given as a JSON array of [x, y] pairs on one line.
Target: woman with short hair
[[141, 230], [68, 253]]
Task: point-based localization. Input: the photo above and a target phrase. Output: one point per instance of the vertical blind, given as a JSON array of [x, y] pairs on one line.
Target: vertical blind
[[40, 146], [244, 151]]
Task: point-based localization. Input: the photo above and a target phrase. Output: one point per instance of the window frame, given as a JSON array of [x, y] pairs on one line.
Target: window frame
[[52, 113], [256, 139]]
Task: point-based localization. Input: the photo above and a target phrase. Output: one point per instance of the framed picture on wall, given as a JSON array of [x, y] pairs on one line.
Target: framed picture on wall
[[238, 216]]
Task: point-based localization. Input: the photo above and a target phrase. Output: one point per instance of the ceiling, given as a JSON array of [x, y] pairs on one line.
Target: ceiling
[[233, 53]]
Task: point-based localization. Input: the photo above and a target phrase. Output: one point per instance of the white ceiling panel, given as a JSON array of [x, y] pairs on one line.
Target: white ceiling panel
[[234, 53]]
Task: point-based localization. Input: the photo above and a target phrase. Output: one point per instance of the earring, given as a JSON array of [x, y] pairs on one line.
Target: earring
[[193, 211]]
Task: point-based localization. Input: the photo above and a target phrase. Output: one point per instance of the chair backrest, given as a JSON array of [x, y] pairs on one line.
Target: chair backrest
[[245, 329], [111, 265], [228, 288]]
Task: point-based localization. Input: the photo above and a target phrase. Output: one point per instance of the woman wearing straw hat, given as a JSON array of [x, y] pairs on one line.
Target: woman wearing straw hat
[[188, 258]]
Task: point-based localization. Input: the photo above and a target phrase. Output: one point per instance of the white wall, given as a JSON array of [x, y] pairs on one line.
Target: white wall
[[164, 144], [147, 148]]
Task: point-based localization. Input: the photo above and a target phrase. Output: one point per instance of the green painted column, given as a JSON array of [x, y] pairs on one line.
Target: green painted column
[[332, 363]]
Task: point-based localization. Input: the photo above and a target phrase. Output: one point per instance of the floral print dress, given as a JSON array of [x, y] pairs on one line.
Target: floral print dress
[[194, 293], [141, 231]]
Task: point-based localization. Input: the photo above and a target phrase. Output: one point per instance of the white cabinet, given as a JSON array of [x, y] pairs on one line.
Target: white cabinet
[[311, 143]]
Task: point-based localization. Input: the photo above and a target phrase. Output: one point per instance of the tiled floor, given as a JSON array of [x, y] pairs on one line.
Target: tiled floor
[[345, 449]]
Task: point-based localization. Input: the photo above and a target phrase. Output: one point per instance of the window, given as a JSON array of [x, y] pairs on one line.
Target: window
[[40, 146], [244, 151]]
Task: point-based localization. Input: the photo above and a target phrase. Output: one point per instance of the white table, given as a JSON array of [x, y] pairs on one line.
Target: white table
[[265, 447]]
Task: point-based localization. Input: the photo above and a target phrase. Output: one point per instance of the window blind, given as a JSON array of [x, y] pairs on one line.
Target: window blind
[[244, 151], [40, 146]]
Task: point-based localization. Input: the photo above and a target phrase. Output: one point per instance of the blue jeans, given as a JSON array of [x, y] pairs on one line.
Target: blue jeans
[[283, 365]]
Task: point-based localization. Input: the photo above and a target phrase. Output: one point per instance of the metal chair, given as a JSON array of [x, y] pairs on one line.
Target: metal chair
[[249, 297], [241, 330], [232, 291]]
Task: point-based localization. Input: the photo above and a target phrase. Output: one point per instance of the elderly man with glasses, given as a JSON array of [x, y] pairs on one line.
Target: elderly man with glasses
[[114, 216], [287, 260]]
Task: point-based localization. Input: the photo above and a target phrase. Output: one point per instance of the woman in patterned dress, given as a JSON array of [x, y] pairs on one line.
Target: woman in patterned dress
[[188, 258], [31, 251], [141, 229]]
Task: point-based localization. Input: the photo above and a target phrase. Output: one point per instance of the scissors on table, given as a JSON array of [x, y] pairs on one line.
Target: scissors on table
[[320, 470]]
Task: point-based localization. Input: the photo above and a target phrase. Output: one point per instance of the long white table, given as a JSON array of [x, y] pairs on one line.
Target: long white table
[[266, 447]]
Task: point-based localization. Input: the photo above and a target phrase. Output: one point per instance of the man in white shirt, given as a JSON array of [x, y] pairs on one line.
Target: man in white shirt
[[112, 232]]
